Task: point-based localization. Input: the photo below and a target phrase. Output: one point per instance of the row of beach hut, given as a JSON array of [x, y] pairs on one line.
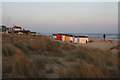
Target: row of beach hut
[[70, 38]]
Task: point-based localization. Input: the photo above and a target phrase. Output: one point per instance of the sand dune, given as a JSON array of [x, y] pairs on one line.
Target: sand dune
[[40, 57]]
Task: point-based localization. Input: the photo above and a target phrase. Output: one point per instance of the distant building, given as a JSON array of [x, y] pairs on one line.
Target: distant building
[[4, 28], [16, 30], [10, 29], [22, 31], [32, 33]]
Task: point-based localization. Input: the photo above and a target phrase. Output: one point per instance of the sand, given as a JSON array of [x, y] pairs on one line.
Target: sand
[[101, 44]]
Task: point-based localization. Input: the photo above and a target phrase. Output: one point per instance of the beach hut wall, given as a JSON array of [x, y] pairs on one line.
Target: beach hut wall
[[54, 36], [59, 37], [71, 38], [67, 38], [49, 36], [63, 37], [83, 39], [76, 39]]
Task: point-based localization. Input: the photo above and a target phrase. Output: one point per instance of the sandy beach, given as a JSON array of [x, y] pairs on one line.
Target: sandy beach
[[101, 44]]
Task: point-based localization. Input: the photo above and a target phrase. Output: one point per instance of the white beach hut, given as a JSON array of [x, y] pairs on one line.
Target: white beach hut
[[83, 39], [71, 38], [63, 37], [75, 39], [54, 36]]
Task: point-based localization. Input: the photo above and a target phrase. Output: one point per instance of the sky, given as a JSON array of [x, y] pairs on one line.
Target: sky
[[72, 17], [60, 0]]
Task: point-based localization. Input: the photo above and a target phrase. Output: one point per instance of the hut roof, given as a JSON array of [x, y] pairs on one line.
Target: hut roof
[[17, 27], [67, 35], [76, 36], [71, 35], [54, 34], [60, 33], [84, 36], [32, 32]]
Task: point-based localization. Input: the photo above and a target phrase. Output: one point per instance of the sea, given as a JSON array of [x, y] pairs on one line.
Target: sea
[[109, 36]]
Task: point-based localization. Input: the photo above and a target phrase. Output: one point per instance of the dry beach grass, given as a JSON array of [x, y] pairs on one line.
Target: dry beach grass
[[40, 57]]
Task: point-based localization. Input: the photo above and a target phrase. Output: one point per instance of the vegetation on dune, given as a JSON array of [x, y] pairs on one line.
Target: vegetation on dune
[[38, 56]]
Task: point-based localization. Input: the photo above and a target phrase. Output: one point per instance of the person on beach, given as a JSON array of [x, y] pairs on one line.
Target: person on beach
[[104, 37]]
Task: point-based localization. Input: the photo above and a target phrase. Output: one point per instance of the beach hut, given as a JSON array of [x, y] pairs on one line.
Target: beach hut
[[67, 37], [54, 36], [59, 36], [71, 38], [63, 37], [75, 39], [49, 36], [83, 39]]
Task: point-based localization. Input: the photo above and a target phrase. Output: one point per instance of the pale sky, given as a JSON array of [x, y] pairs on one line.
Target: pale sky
[[76, 17], [59, 0]]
